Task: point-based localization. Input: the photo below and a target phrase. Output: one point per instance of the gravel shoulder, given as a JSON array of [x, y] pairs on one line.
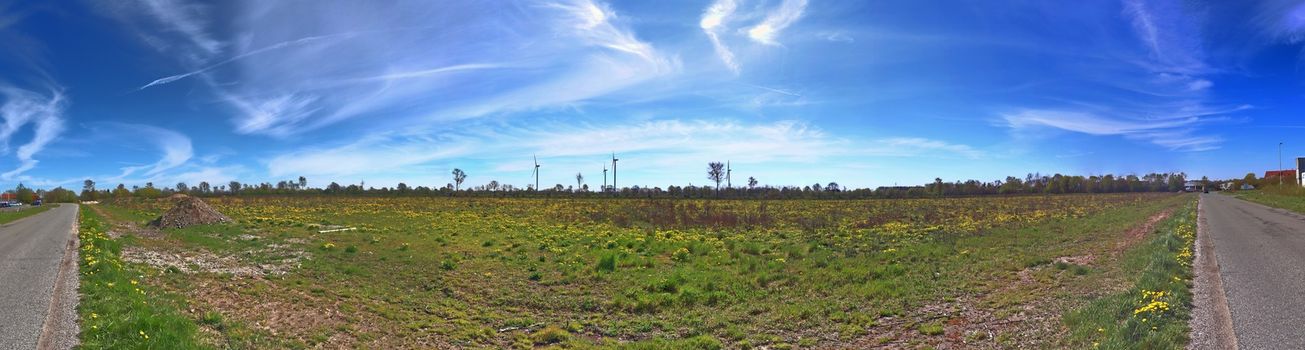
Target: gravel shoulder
[[1211, 322]]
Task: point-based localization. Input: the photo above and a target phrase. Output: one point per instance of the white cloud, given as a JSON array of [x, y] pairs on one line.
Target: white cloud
[[713, 19], [174, 148], [370, 155], [787, 13], [1199, 85], [289, 68], [1175, 131], [44, 113], [655, 152], [836, 36]]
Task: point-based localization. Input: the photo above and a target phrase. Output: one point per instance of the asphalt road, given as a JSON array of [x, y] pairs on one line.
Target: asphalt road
[[31, 250], [1261, 262]]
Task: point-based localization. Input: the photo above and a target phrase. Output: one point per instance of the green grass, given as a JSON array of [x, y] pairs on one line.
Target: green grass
[[625, 274], [118, 309], [1290, 198], [1122, 320], [11, 216]]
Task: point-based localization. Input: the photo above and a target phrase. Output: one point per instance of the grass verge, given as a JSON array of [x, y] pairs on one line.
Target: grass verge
[[1154, 313], [117, 310], [11, 216], [1285, 199]]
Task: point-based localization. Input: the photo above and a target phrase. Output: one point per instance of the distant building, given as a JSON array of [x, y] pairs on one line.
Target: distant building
[[1193, 186], [1300, 170], [1293, 175]]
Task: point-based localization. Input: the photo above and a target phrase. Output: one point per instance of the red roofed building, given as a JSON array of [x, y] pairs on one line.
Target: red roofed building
[[1290, 174], [8, 196]]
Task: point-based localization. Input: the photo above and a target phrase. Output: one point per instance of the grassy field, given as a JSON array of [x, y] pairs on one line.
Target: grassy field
[[8, 216], [503, 273]]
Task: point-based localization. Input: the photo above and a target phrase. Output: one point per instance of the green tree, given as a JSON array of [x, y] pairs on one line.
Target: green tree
[[24, 194]]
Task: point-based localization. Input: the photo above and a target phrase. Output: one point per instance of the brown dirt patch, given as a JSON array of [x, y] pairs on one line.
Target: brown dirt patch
[[1136, 234], [189, 211], [203, 261]]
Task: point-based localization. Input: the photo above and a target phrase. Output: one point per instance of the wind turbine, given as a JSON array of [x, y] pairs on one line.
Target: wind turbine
[[728, 184], [536, 171], [614, 171], [604, 177]]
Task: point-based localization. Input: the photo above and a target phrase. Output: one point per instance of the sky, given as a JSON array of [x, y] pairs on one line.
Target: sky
[[791, 92]]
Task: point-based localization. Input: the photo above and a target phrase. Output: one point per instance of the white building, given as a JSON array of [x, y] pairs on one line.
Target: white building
[[1300, 170]]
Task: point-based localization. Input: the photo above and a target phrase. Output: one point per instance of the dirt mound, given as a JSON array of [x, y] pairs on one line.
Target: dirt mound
[[189, 211]]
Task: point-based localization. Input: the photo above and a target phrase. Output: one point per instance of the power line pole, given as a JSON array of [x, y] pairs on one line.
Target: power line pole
[[1279, 163]]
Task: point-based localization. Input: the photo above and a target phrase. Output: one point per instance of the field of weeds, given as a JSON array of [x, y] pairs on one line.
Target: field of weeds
[[502, 273]]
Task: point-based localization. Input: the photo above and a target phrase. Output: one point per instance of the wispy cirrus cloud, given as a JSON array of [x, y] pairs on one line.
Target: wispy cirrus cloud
[[656, 151], [171, 151], [720, 22], [43, 113], [285, 69], [175, 148], [713, 19], [1164, 86], [778, 20], [1177, 130]]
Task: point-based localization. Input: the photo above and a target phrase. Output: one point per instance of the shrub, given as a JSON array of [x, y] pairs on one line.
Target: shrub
[[931, 328], [550, 335], [607, 263], [680, 255]]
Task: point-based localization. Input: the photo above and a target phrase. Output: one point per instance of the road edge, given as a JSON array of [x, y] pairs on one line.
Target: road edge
[[60, 329], [1211, 326]]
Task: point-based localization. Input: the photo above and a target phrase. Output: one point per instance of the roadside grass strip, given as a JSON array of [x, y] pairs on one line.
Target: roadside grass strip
[[1154, 313], [1290, 198], [11, 216], [118, 310]]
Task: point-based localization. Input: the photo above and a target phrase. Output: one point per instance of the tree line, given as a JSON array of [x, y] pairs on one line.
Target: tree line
[[751, 188]]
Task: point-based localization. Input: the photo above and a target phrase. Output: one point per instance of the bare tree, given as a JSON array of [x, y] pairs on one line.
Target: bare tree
[[716, 173], [752, 182], [579, 180], [458, 177]]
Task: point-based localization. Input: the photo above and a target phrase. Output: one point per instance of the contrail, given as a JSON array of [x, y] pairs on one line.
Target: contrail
[[301, 41]]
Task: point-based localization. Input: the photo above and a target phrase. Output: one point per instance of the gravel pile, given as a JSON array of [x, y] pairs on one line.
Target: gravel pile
[[189, 211]]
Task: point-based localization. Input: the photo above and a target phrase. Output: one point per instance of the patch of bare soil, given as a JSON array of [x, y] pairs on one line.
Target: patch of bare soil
[[1084, 260], [1135, 235], [286, 313], [203, 261]]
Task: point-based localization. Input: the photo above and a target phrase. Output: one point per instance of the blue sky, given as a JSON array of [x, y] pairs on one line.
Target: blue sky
[[793, 92]]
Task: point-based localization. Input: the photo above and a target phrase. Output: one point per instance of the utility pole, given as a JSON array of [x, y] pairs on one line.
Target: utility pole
[[1279, 163]]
